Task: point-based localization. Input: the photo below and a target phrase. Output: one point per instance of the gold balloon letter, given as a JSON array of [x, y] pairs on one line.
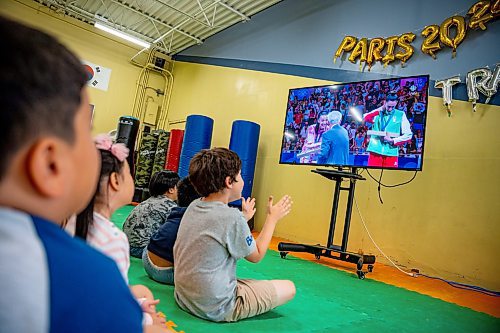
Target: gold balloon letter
[[444, 32], [347, 45], [376, 46], [480, 15], [391, 44], [495, 8], [430, 45], [404, 42], [360, 50]]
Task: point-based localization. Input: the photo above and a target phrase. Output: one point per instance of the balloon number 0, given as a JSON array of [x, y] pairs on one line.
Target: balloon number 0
[[444, 32]]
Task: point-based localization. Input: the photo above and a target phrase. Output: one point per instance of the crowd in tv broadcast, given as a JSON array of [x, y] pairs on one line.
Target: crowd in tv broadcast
[[308, 108]]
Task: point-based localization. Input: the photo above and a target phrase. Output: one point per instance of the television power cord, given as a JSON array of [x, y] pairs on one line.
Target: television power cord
[[415, 274], [380, 184]]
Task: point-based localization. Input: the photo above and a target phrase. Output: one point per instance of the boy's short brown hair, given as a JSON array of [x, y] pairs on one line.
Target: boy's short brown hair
[[40, 89], [209, 168]]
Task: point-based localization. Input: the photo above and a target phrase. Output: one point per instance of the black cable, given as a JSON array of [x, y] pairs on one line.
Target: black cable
[[457, 285], [464, 286], [379, 183], [395, 185], [454, 284]]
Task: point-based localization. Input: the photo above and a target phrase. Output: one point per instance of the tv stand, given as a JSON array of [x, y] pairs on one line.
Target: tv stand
[[330, 249]]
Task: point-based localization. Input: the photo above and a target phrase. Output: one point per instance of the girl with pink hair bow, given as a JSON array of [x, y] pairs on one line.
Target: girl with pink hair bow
[[115, 188]]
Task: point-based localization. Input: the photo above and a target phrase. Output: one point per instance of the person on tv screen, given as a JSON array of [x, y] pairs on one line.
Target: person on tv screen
[[335, 142], [313, 136], [390, 129], [322, 126], [310, 144]]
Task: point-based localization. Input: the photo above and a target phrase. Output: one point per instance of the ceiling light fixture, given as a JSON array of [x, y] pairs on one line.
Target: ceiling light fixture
[[120, 34]]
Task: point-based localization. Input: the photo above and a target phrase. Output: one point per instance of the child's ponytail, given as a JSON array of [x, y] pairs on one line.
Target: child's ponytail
[[84, 220], [113, 156]]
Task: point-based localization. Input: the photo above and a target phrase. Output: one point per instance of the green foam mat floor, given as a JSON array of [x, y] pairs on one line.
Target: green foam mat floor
[[327, 300]]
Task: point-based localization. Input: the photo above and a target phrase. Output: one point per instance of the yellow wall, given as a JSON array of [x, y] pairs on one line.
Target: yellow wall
[[89, 45], [445, 223]]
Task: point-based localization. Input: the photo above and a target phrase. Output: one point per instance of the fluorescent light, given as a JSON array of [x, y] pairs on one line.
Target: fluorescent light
[[122, 35]]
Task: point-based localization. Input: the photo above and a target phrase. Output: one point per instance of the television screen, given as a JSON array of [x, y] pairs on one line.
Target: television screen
[[370, 124]]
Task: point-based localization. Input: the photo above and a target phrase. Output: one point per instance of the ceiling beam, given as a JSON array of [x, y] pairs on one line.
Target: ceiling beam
[[243, 16], [183, 13], [203, 11], [201, 18], [89, 17], [158, 21]]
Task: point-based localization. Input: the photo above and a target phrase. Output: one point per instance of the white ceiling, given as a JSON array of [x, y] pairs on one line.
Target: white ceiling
[[171, 25]]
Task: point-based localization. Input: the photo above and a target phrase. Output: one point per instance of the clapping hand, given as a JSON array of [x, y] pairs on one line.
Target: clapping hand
[[280, 209], [248, 207]]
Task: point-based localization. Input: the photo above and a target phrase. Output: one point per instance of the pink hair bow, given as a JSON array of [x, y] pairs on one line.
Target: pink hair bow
[[105, 142]]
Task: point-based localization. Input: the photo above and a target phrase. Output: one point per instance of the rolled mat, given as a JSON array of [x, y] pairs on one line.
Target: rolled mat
[[161, 151], [145, 160], [127, 134], [197, 136], [245, 141], [174, 150]]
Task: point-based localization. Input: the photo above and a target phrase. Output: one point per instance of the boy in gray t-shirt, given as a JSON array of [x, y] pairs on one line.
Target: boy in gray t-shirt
[[212, 237]]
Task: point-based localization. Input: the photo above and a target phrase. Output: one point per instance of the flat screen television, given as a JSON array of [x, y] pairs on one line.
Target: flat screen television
[[371, 124]]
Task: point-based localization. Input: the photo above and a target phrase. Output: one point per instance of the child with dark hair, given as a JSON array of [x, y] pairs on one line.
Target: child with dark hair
[[115, 188], [158, 260], [149, 215], [213, 237], [48, 171]]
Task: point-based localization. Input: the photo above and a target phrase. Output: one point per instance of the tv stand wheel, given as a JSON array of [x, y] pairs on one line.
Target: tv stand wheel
[[317, 256], [370, 268], [361, 275], [359, 265], [283, 254]]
